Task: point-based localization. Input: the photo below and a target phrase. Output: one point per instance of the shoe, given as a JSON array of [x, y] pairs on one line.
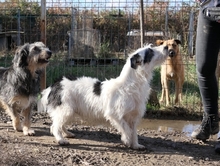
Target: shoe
[[209, 126], [217, 147]]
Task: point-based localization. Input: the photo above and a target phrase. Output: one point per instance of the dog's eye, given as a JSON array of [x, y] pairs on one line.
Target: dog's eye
[[174, 45], [36, 48]]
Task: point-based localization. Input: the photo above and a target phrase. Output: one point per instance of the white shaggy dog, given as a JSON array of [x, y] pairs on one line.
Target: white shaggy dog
[[121, 101]]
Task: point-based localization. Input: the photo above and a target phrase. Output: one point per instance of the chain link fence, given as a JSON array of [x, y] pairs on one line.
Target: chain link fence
[[94, 37]]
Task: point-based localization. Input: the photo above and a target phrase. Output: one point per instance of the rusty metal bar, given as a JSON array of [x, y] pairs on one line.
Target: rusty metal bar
[[43, 39], [19, 28]]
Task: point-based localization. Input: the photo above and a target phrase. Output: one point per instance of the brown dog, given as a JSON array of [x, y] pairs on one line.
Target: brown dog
[[172, 69]]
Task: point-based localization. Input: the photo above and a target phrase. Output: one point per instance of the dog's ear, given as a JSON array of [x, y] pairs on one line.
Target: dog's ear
[[21, 55], [159, 42], [177, 41], [135, 61]]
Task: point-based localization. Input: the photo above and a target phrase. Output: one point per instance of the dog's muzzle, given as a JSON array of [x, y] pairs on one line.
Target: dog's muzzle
[[46, 58], [171, 53], [49, 54]]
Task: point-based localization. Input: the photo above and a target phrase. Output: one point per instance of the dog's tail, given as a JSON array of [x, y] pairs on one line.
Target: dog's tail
[[43, 101]]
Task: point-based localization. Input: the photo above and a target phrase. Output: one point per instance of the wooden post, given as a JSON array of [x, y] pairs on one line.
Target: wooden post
[[43, 39]]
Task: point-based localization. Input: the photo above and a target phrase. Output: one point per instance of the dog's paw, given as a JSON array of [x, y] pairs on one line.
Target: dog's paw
[[29, 132], [69, 135], [17, 128], [63, 142], [138, 147]]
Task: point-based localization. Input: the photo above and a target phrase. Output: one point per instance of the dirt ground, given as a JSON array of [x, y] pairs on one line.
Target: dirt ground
[[100, 146]]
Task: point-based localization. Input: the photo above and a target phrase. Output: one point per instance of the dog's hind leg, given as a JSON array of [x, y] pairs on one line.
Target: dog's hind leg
[[27, 122], [66, 133], [163, 91], [60, 119], [162, 95]]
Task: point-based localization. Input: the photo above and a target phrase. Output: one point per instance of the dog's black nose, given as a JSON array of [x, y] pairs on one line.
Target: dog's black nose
[[49, 53], [171, 53]]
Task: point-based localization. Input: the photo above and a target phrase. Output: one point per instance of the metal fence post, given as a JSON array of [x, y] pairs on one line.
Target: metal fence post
[[73, 30], [43, 39], [191, 31], [19, 29], [142, 22], [166, 23]]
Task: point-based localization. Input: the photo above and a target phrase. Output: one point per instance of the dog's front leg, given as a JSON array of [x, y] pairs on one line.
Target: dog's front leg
[[180, 93], [135, 144], [16, 120], [167, 93], [128, 134], [14, 116], [178, 90], [123, 128], [26, 113]]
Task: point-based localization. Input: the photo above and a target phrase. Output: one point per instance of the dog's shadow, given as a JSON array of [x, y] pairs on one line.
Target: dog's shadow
[[103, 140], [101, 135], [42, 131], [100, 140], [106, 141]]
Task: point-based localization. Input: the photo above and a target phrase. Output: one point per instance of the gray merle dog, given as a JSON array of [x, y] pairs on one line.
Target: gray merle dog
[[18, 83]]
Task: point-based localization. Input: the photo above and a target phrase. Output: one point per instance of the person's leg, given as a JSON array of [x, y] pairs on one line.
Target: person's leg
[[207, 48], [217, 146]]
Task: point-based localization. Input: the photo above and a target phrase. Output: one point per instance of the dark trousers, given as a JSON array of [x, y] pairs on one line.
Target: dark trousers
[[207, 48]]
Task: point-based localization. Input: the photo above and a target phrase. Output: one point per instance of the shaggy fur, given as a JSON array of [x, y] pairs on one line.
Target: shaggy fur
[[121, 101], [18, 88], [172, 69]]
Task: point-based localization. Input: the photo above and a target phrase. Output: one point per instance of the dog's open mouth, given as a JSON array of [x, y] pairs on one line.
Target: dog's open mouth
[[43, 60], [46, 57]]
